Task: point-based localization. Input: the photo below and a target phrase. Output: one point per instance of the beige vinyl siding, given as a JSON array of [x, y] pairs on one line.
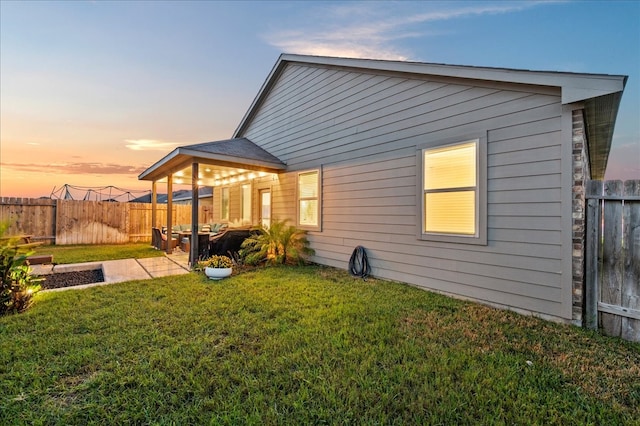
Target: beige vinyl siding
[[283, 202], [364, 130]]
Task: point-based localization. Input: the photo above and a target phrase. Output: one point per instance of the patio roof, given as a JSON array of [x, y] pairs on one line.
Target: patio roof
[[220, 159]]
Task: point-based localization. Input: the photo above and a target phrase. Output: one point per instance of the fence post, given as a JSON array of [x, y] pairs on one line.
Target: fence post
[[591, 255]]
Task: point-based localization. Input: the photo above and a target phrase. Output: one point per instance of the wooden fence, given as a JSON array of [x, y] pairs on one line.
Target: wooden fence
[[612, 276], [30, 216], [88, 222]]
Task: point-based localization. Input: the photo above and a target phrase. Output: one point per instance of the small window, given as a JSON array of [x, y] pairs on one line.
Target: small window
[[265, 208], [246, 204], [453, 200], [224, 206], [309, 199]]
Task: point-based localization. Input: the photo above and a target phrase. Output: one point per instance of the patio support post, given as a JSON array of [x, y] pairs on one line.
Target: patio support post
[[154, 206], [195, 240], [169, 211]]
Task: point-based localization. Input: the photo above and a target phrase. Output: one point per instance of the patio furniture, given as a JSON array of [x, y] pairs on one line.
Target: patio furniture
[[184, 238], [23, 241], [228, 242], [159, 240], [209, 228], [185, 244], [40, 259]]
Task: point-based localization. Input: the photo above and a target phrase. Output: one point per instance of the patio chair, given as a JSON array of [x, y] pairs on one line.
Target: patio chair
[[159, 240]]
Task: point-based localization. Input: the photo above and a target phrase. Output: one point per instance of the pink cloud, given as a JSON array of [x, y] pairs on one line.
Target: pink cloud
[[76, 168]]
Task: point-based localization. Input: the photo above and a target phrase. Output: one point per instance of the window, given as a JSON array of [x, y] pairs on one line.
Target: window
[[224, 206], [246, 204], [453, 192], [309, 199], [265, 208]]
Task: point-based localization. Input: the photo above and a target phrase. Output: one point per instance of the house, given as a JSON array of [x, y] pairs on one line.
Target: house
[[467, 181]]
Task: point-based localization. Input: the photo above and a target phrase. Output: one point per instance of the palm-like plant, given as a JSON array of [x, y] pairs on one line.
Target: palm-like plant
[[278, 244], [17, 285]]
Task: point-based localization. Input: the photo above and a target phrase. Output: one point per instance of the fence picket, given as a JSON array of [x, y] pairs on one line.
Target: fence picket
[[33, 216], [65, 222], [610, 289], [615, 277], [631, 249]]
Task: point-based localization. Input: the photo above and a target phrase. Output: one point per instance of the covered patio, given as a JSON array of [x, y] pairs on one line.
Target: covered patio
[[219, 163]]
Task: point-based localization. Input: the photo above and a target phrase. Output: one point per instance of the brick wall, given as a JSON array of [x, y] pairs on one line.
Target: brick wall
[[580, 176]]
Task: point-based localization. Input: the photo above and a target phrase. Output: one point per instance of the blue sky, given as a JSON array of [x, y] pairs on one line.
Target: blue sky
[[93, 92]]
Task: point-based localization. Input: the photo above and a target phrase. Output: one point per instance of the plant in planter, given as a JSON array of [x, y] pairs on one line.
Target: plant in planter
[[216, 267], [277, 245]]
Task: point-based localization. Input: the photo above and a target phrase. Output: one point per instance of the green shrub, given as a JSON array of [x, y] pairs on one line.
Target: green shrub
[[17, 284], [278, 244]]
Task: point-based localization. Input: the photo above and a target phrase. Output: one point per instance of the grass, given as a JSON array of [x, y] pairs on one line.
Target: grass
[[307, 345], [92, 253]]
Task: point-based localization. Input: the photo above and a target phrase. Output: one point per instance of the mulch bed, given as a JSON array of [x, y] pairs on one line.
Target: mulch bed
[[70, 279]]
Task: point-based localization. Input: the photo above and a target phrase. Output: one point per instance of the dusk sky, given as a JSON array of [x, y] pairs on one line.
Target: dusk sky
[[92, 93]]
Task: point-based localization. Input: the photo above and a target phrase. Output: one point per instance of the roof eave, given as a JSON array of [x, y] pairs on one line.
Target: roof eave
[[600, 119], [233, 161], [182, 157], [149, 172], [264, 89]]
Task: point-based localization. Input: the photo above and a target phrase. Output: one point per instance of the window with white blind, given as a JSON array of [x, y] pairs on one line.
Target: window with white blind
[[453, 191], [246, 204], [309, 199], [224, 204]]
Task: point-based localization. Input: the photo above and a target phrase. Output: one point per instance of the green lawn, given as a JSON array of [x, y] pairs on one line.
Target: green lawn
[[304, 345], [92, 253]]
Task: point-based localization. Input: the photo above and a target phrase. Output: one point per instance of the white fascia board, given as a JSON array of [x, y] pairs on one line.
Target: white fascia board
[[158, 164], [583, 89]]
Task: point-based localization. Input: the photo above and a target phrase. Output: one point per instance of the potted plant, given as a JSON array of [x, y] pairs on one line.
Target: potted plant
[[216, 267]]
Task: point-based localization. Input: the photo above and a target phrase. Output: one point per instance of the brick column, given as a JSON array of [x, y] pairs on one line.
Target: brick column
[[580, 176]]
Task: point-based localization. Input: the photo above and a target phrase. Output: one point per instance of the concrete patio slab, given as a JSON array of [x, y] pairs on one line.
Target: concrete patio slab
[[116, 271], [162, 266]]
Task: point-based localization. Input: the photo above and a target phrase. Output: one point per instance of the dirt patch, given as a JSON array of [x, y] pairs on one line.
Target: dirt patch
[[70, 279]]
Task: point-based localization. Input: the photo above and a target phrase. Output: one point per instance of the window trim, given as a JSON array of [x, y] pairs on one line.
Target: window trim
[[319, 198], [480, 237]]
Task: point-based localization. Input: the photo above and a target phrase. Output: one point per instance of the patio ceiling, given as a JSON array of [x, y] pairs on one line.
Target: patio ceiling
[[220, 163], [214, 175]]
